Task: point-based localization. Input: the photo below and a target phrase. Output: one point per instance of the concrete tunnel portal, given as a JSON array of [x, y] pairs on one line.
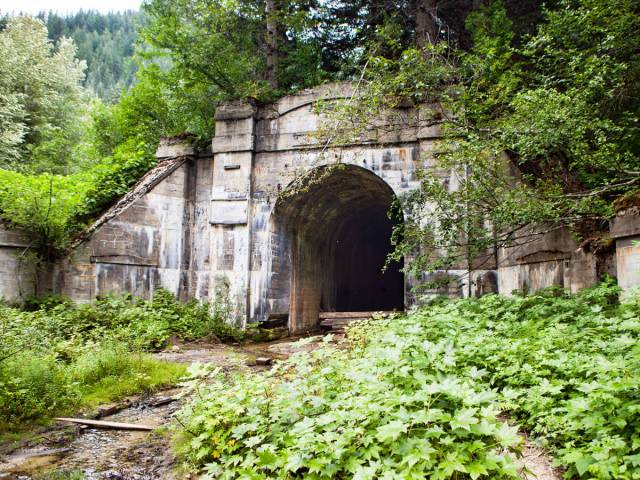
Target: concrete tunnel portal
[[338, 230]]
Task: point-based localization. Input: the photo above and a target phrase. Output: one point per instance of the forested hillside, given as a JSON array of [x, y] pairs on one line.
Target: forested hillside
[[105, 41]]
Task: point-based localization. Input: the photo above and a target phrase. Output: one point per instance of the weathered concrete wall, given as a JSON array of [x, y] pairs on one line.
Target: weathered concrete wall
[[625, 229], [235, 223], [257, 154], [141, 243], [17, 276], [551, 256], [537, 260]]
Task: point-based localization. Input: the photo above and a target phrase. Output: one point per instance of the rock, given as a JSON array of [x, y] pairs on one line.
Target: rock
[[264, 361]]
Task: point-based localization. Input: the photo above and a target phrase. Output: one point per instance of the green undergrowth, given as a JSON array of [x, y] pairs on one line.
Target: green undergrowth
[[135, 373], [420, 396], [61, 475], [57, 356]]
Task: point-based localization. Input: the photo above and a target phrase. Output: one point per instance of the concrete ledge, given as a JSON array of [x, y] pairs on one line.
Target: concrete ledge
[[234, 111], [626, 224], [13, 238], [173, 147]]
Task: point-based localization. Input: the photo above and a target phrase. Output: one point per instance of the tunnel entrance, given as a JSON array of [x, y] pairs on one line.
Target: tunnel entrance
[[361, 250], [339, 236]]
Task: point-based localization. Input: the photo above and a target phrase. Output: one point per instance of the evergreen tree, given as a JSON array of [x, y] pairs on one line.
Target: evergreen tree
[[105, 41]]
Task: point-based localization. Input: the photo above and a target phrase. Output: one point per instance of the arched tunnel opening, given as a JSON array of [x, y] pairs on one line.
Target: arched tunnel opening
[[339, 236]]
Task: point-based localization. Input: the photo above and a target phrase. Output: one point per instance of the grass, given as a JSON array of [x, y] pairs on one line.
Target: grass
[[48, 388], [148, 375], [57, 357]]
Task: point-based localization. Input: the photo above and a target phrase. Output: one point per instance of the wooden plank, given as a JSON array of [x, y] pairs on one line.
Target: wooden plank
[[105, 424], [327, 315]]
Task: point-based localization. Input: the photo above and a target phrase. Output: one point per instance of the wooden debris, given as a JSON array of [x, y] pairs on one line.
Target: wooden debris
[[158, 402], [337, 321], [349, 315], [105, 424], [263, 361]]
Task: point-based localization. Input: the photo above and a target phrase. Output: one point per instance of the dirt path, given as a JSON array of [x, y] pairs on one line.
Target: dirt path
[[95, 454], [126, 455]]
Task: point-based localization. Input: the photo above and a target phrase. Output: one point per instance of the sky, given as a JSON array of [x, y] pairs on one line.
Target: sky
[[66, 6]]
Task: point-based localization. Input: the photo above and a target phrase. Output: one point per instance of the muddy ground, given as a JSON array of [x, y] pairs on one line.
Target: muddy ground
[[100, 454], [120, 454]]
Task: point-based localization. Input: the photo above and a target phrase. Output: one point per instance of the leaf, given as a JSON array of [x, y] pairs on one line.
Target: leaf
[[391, 431], [267, 458], [464, 419], [476, 469], [582, 464], [508, 436]]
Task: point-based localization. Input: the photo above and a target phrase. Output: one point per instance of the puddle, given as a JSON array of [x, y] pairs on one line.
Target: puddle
[[106, 454]]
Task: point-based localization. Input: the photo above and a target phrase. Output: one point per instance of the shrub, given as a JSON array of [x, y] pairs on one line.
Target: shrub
[[109, 359], [418, 396], [34, 385], [33, 302], [58, 355], [143, 324], [386, 410]]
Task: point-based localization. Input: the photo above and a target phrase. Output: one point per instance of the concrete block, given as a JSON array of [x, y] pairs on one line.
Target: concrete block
[[229, 212], [628, 262], [626, 224], [172, 147]]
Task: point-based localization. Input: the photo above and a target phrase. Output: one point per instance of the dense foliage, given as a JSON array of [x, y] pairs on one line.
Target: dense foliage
[[538, 128], [389, 410], [53, 208], [419, 396], [40, 98], [566, 368], [65, 157], [56, 355]]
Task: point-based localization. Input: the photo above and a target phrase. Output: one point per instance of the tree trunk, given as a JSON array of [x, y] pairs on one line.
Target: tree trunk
[[426, 28], [273, 56]]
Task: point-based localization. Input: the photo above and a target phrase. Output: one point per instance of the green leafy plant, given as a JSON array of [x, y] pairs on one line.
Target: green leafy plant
[[59, 355], [418, 396], [387, 409]]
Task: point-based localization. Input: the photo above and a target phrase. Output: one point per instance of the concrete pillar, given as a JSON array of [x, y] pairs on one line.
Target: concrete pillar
[[625, 229], [233, 150], [17, 274], [171, 148]]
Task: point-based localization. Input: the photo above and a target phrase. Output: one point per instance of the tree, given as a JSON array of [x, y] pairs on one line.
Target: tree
[[426, 13], [240, 49], [541, 130], [105, 42], [40, 98]]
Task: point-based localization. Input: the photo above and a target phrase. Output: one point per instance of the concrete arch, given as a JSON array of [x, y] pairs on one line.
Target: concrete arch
[[335, 231]]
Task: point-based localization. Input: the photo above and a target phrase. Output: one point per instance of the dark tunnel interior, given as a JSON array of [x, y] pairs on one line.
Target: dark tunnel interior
[[361, 250], [339, 237]]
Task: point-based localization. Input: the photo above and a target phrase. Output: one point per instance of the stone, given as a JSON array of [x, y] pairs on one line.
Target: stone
[[281, 224]]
